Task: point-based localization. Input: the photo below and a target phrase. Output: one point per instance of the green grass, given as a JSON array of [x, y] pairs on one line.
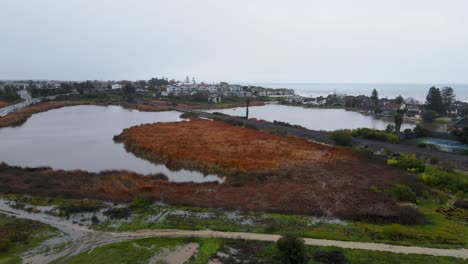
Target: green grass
[[377, 257], [441, 232], [23, 235], [141, 250]]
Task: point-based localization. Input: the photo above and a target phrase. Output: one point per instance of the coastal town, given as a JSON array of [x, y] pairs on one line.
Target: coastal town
[[190, 90]]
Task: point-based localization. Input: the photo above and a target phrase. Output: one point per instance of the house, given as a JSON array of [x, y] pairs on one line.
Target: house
[[116, 86], [413, 114], [316, 101], [214, 99], [461, 123]]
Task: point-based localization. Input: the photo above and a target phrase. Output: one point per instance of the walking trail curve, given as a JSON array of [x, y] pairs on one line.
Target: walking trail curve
[[81, 239]]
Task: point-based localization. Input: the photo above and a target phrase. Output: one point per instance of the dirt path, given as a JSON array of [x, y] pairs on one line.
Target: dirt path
[[459, 253], [79, 239]]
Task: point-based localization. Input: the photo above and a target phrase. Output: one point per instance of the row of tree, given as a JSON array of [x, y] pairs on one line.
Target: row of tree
[[440, 100], [9, 93]]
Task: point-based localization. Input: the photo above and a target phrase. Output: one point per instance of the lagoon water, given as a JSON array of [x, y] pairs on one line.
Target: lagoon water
[[80, 137], [314, 118]]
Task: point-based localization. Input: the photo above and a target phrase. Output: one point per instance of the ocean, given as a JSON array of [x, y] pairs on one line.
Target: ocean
[[416, 91]]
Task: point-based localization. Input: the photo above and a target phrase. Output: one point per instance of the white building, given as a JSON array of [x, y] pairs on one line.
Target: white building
[[116, 86]]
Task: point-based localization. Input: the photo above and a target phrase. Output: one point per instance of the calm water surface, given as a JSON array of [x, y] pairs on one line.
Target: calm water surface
[[314, 118], [80, 137]]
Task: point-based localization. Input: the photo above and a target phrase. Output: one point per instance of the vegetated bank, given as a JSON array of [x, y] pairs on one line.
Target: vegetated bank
[[191, 104], [268, 172]]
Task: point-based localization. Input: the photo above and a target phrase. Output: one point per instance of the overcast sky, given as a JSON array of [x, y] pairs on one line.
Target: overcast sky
[[386, 41]]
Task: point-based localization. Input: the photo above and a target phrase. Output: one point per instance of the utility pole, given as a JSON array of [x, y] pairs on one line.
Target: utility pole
[[247, 109]]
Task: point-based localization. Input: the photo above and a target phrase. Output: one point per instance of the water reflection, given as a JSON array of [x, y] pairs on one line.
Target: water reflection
[[318, 118], [80, 137]]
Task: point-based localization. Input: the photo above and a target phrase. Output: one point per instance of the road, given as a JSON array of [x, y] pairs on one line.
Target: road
[[78, 239], [27, 100]]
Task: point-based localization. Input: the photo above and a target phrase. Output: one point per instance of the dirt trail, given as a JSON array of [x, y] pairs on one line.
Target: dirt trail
[[459, 253], [81, 239]]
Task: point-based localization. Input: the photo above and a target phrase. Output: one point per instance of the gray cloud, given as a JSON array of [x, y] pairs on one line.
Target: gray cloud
[[243, 40]]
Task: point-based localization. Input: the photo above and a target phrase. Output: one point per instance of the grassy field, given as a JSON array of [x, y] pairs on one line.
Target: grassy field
[[444, 231], [447, 227], [140, 251], [19, 235]]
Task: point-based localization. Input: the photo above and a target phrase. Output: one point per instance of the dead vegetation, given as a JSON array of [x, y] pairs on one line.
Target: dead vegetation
[[217, 147]]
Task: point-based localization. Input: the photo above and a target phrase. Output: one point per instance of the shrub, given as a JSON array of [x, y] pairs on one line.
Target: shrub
[[422, 145], [453, 182], [117, 213], [429, 116], [433, 160], [446, 166], [342, 137], [410, 162], [330, 257], [5, 244], [392, 162], [291, 249], [420, 131], [461, 204], [139, 203], [411, 216], [403, 193], [375, 134]]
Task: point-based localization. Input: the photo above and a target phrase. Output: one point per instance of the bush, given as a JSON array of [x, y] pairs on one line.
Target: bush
[[410, 216], [291, 249], [453, 182], [420, 131], [375, 134], [461, 204], [342, 137], [446, 166], [139, 203], [410, 162], [330, 257], [392, 162], [422, 145], [5, 244], [403, 193], [117, 213], [429, 116], [434, 160]]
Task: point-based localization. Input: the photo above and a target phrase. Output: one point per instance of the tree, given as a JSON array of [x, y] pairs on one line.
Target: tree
[[398, 118], [375, 98], [399, 99], [129, 88], [448, 97], [390, 128], [464, 110], [429, 116], [129, 91], [434, 100], [291, 249], [9, 93]]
